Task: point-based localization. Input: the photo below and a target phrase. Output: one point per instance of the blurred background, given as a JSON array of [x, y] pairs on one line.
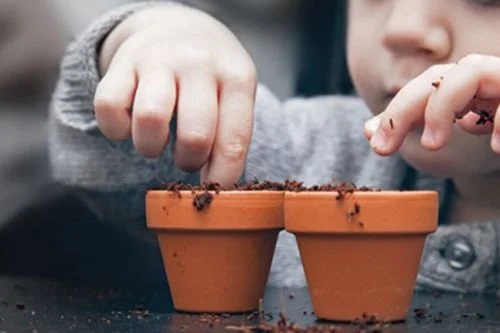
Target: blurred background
[[297, 45]]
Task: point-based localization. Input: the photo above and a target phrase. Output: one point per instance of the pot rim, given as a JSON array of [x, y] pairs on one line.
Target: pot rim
[[374, 195], [231, 211], [379, 212], [221, 194]]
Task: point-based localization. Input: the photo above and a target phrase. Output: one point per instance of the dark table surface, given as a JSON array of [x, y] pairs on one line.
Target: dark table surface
[[37, 305], [28, 247]]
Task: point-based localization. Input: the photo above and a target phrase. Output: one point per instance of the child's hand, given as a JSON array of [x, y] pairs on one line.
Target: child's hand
[[467, 93], [172, 59]]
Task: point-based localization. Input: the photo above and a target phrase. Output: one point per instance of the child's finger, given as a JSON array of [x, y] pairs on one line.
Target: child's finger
[[113, 100], [474, 76], [371, 126], [495, 136], [153, 107], [478, 116], [404, 112], [469, 123], [196, 119], [234, 128]]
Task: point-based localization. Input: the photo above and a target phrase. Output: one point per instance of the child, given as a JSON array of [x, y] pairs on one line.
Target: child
[[416, 66]]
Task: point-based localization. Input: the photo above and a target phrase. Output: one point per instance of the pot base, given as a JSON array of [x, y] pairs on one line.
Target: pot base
[[354, 276], [217, 271]]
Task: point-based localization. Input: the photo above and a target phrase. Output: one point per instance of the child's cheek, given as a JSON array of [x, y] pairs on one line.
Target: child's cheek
[[365, 86], [363, 75]]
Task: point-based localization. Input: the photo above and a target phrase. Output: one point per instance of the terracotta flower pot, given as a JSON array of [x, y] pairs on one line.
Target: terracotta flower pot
[[361, 252], [216, 259]]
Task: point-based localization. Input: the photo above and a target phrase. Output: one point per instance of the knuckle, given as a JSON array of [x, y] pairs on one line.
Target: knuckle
[[110, 121], [431, 116], [436, 71], [472, 60], [149, 115], [234, 149], [242, 76], [195, 140], [149, 110], [190, 58], [104, 103]]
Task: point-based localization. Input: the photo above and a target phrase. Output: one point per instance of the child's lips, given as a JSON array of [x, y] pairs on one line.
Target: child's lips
[[394, 90], [390, 95], [391, 92], [387, 98], [395, 85]]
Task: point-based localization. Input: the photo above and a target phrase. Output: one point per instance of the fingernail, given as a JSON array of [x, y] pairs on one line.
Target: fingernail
[[372, 125], [495, 142], [428, 137], [379, 140]]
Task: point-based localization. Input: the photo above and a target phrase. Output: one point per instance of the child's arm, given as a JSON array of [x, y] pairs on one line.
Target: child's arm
[[157, 60], [177, 57], [80, 156], [152, 58]]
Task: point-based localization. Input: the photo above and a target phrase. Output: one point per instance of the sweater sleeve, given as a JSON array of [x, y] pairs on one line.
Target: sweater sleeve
[[80, 155], [313, 140], [110, 177]]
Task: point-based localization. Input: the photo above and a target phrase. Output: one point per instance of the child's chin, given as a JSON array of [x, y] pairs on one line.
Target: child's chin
[[436, 163], [449, 161], [431, 168]]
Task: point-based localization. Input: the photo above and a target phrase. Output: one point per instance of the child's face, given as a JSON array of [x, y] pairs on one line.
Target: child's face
[[392, 41]]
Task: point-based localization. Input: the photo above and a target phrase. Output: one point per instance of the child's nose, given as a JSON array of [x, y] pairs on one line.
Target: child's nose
[[414, 28]]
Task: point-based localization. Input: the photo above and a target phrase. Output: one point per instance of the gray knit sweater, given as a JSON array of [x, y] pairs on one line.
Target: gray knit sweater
[[313, 140]]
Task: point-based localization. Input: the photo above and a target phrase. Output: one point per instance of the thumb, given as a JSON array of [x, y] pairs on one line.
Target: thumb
[[473, 123]]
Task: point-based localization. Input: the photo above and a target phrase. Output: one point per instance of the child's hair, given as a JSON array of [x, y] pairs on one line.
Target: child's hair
[[323, 64]]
